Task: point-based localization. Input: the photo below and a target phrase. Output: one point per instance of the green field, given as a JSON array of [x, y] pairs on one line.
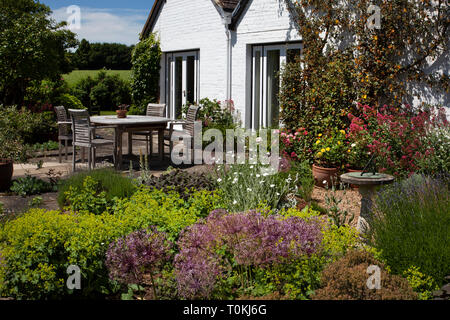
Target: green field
[[73, 77]]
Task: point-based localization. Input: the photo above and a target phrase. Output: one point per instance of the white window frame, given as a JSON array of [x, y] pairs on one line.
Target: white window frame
[[263, 49], [170, 79]]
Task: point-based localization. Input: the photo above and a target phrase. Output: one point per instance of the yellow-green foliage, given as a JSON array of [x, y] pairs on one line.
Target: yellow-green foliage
[[166, 209], [305, 214], [422, 284], [32, 248], [299, 279], [37, 248]]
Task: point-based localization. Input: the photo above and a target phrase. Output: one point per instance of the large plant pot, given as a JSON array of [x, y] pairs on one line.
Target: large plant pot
[[6, 172], [330, 175]]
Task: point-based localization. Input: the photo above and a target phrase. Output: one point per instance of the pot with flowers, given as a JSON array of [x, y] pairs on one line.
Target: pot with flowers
[[329, 155], [11, 149], [122, 111]]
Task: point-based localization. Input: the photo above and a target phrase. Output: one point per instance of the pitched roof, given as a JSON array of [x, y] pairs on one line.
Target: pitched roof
[[226, 5]]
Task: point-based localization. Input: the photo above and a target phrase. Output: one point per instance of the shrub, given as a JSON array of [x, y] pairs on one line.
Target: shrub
[[110, 91], [104, 92], [246, 186], [113, 184], [223, 254], [346, 279], [41, 95], [183, 182], [438, 162], [37, 247], [82, 91], [297, 145], [20, 127], [29, 186], [34, 257], [141, 252], [69, 101], [88, 199], [166, 209], [422, 284], [146, 63], [411, 224], [397, 136], [300, 278], [319, 99]]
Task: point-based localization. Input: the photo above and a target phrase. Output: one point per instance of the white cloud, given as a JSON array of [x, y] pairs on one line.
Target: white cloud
[[107, 25]]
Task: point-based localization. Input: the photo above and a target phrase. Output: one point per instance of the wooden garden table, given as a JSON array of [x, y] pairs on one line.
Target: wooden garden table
[[132, 124]]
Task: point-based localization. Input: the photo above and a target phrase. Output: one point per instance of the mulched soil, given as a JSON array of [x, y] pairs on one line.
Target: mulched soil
[[351, 200]]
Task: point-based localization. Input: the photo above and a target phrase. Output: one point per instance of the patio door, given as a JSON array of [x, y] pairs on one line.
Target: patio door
[[266, 64], [183, 79]]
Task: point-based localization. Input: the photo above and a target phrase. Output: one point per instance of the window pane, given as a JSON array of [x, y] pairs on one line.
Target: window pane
[[190, 80], [178, 86], [273, 87], [257, 93]]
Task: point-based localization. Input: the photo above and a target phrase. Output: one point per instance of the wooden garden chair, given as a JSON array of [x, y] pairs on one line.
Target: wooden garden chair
[[83, 136], [153, 110]]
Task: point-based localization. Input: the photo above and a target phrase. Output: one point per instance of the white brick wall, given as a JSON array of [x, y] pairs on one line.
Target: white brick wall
[[195, 24], [183, 27], [263, 22]]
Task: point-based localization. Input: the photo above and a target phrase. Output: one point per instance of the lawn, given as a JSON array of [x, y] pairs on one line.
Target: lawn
[[76, 75]]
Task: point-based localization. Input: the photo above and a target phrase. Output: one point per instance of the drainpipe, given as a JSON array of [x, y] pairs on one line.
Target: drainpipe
[[227, 22]]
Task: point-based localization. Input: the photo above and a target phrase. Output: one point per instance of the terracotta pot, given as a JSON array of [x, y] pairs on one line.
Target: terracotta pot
[[325, 174], [6, 172], [121, 114], [354, 186]]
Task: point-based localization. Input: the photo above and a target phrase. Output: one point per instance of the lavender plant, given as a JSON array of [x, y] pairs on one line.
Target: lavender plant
[[142, 252], [226, 244]]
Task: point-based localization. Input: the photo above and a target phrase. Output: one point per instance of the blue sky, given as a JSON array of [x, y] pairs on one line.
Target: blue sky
[[105, 21]]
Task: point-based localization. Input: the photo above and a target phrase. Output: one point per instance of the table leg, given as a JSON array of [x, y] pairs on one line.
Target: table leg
[[161, 144], [130, 143], [118, 148]]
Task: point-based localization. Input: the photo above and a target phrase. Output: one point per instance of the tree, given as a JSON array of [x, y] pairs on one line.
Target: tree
[[32, 47], [380, 64], [94, 56], [146, 61]]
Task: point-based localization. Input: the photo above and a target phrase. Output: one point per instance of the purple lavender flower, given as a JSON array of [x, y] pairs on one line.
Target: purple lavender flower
[[251, 239], [129, 258]]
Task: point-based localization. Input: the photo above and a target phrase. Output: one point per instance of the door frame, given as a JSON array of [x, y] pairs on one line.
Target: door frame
[[170, 78], [263, 49]]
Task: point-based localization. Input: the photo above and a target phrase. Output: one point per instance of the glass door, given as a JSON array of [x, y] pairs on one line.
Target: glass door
[[182, 81], [267, 63]]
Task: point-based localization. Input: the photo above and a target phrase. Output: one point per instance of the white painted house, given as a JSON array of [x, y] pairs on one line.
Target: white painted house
[[226, 49]]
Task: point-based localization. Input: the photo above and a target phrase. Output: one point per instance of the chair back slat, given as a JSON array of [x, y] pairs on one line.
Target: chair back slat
[[156, 110], [61, 116], [191, 117], [81, 126]]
